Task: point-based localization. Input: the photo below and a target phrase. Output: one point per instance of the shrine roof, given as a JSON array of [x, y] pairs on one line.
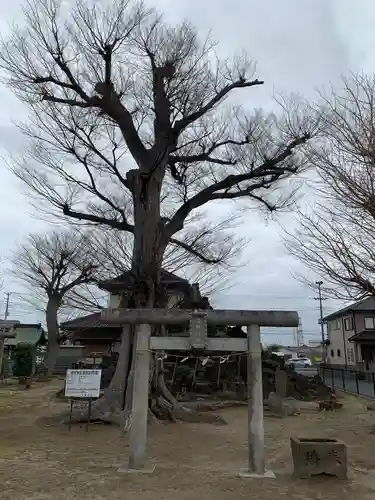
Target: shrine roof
[[85, 322], [125, 281]]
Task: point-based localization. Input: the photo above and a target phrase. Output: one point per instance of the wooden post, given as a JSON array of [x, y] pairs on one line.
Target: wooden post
[[138, 429]]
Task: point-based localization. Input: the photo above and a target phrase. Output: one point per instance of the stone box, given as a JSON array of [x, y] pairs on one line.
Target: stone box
[[313, 457]]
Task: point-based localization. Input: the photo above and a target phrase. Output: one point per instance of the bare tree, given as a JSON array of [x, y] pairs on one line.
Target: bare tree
[[52, 266], [208, 254], [132, 127], [335, 238], [112, 250]]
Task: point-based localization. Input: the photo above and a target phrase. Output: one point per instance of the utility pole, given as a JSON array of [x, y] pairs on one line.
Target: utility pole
[[299, 335], [320, 298], [6, 314], [2, 340]]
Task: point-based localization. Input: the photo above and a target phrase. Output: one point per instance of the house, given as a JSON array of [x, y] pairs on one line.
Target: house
[[285, 352], [351, 335], [25, 333], [99, 337]]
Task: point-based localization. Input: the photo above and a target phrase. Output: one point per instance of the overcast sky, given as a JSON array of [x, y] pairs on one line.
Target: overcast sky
[[298, 46]]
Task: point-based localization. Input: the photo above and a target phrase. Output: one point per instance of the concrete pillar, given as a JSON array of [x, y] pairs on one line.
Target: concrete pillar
[[256, 457], [255, 403], [138, 429]]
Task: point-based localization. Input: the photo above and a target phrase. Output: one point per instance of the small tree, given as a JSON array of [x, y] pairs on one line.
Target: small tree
[[273, 348], [335, 238], [53, 266], [23, 358]]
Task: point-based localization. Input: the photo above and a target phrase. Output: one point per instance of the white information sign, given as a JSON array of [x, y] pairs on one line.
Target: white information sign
[[82, 383]]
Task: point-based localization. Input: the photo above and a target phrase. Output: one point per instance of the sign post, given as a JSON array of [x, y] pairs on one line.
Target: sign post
[[82, 385]]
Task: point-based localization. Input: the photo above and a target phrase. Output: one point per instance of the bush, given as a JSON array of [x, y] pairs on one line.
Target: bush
[[23, 360]]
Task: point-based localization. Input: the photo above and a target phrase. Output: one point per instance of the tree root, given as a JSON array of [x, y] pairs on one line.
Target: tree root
[[161, 410], [100, 412], [203, 406], [163, 407]]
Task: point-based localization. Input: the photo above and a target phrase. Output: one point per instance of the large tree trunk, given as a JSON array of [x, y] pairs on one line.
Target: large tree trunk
[[53, 346], [148, 250], [150, 243], [113, 406]]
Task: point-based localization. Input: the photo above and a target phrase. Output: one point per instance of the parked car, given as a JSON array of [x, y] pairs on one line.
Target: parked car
[[299, 362]]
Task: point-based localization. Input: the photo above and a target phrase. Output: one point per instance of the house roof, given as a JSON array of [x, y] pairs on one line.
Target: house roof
[[364, 337], [85, 322], [26, 334], [366, 304], [125, 280]]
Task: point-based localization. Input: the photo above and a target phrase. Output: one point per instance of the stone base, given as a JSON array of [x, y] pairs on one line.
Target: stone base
[[145, 470], [268, 474], [312, 457], [283, 407]]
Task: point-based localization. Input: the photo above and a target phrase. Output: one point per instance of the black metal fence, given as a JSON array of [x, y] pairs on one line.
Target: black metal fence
[[348, 380]]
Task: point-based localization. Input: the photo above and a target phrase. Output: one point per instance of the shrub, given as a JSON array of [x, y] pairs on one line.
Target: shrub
[[23, 360]]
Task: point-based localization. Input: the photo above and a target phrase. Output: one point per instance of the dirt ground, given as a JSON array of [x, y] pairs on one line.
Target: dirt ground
[[192, 460]]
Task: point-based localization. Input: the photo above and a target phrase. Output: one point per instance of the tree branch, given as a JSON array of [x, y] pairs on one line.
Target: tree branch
[[69, 102], [80, 280], [188, 120], [111, 104], [114, 224], [210, 193], [190, 249], [203, 157], [246, 192]]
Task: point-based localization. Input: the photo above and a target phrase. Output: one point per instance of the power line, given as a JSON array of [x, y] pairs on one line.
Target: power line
[[266, 296]]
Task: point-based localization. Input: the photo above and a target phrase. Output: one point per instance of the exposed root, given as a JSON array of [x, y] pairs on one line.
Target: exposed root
[[203, 406], [163, 407], [160, 410], [100, 411]]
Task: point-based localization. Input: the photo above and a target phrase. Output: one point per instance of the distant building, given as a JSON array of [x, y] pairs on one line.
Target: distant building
[[315, 344], [286, 352], [351, 335], [25, 333], [99, 337], [303, 351]]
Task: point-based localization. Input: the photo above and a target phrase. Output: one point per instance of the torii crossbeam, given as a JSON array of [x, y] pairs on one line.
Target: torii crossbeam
[[198, 340]]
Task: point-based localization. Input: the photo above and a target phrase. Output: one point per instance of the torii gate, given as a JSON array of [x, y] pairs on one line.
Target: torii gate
[[198, 340]]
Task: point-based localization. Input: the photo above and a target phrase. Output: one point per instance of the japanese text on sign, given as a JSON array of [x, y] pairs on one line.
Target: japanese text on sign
[[82, 383]]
